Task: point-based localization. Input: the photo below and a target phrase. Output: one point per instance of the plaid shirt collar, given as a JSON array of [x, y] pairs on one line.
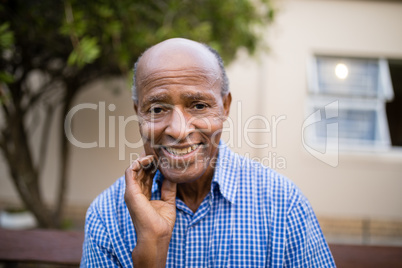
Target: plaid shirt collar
[[225, 174]]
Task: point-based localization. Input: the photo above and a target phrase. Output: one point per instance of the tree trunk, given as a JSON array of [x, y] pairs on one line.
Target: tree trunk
[[64, 158], [18, 154], [23, 172]]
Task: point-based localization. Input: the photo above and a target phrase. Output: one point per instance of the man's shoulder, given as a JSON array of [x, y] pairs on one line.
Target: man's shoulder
[[252, 176], [251, 170], [111, 198]]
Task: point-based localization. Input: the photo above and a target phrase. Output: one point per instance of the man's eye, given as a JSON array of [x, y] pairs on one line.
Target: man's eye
[[200, 106], [156, 110]]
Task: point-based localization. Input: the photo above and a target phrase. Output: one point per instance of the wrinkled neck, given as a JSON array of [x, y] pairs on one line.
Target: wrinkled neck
[[193, 193]]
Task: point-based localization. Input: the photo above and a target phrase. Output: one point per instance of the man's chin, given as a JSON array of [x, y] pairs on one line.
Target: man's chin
[[181, 175]]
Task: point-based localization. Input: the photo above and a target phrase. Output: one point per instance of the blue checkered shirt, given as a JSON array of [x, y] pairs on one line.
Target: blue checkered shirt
[[252, 217]]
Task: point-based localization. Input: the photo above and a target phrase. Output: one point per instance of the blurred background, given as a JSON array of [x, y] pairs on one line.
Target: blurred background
[[316, 87]]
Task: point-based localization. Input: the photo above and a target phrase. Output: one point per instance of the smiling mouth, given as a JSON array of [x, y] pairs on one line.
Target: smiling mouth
[[182, 151]]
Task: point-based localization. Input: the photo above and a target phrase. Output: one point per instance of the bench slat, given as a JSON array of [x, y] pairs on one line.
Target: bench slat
[[358, 256], [49, 246], [65, 247]]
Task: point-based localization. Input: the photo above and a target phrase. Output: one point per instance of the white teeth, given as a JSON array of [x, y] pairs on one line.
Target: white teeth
[[183, 151]]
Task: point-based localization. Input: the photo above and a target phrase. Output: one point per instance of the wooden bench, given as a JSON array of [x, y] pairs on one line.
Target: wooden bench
[[64, 249], [357, 256]]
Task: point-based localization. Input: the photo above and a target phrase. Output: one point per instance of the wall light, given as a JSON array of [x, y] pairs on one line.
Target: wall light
[[341, 71]]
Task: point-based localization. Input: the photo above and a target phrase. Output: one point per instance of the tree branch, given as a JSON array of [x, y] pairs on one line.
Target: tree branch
[[46, 88], [2, 142], [71, 91], [3, 101], [70, 20], [45, 136]]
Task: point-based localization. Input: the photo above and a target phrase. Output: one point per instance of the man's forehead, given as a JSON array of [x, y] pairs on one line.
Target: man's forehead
[[177, 54]]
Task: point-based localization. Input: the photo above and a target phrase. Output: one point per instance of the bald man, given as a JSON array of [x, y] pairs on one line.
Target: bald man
[[189, 201]]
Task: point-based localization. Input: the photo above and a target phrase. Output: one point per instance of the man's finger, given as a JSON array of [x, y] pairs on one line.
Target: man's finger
[[146, 162], [168, 190], [135, 165], [143, 162]]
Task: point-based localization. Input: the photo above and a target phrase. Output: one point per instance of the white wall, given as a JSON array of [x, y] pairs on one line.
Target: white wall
[[363, 184]]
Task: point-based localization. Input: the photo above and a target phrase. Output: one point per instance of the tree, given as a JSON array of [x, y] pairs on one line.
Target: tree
[[69, 44]]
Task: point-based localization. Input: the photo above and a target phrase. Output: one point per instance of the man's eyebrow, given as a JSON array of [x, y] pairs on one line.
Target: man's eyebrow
[[195, 96], [156, 98]]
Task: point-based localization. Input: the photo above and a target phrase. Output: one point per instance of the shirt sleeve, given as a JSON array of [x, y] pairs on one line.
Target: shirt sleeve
[[306, 245], [97, 248]]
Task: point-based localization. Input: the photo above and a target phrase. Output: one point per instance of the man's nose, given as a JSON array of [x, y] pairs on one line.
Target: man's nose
[[180, 125]]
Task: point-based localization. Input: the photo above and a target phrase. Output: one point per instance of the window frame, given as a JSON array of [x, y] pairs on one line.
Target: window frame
[[316, 99]]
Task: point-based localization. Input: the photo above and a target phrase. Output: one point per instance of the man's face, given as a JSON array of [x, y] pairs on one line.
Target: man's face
[[181, 112]]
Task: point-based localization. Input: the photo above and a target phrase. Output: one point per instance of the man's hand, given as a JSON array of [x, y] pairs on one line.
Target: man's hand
[[153, 220]]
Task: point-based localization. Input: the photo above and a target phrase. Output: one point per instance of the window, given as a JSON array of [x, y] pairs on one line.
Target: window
[[394, 108], [361, 87]]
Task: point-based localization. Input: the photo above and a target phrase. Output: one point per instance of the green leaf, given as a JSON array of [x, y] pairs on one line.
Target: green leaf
[[104, 11], [114, 28], [6, 36], [89, 49], [6, 78], [87, 52]]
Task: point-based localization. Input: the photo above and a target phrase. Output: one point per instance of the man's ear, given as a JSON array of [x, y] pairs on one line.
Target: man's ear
[[135, 107], [227, 100]]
